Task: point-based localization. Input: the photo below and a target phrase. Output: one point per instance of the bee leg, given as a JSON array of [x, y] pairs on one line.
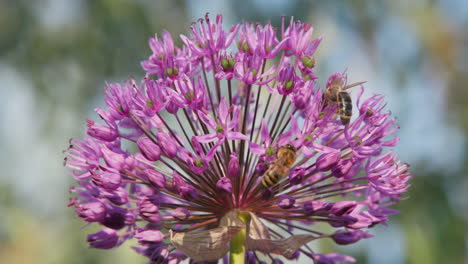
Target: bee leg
[[325, 102]]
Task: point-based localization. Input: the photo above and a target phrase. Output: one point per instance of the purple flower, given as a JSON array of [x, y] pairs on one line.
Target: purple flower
[[167, 144], [117, 218], [150, 150], [114, 160], [105, 239], [303, 92], [226, 66], [349, 237], [259, 40], [92, 211], [326, 161], [101, 132], [184, 189], [118, 196], [233, 166], [296, 175], [147, 236], [181, 213], [208, 39], [248, 69], [286, 79], [343, 207], [176, 155], [223, 127], [155, 178], [224, 184], [331, 258], [286, 201], [148, 209], [108, 180]]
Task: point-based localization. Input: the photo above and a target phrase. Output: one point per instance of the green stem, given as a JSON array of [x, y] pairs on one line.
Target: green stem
[[237, 244]]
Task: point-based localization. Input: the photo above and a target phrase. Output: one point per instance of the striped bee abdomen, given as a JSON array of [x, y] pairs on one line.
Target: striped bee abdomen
[[346, 107], [273, 175], [286, 156]]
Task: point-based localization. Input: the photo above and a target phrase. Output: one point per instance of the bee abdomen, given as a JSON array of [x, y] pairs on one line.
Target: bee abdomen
[[271, 177], [346, 107]]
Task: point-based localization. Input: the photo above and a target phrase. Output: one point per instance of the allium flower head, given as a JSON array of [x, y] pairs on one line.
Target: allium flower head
[[177, 159]]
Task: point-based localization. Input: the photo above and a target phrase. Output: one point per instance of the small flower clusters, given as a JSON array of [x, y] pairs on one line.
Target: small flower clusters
[[191, 142]]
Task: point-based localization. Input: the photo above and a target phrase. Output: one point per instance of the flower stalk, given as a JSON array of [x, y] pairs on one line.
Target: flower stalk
[[237, 244]]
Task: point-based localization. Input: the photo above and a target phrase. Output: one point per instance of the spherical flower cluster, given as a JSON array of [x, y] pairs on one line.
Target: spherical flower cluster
[[177, 159]]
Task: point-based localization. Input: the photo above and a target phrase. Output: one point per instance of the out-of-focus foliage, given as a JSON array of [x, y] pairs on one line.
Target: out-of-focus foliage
[[62, 52], [55, 56]]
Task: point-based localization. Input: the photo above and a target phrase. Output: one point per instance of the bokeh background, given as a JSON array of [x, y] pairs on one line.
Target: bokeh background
[[55, 56]]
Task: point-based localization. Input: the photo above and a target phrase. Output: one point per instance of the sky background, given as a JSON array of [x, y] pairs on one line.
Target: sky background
[[56, 55]]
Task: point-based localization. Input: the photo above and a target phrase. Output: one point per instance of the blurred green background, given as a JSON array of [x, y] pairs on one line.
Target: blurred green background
[[55, 56]]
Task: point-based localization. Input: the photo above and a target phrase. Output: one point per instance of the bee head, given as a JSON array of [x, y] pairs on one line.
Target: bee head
[[290, 147]]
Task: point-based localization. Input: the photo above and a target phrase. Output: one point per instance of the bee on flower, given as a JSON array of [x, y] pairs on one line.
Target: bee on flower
[[221, 154]]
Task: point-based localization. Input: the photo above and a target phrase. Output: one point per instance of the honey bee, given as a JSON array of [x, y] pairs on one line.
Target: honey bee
[[285, 158], [336, 93]]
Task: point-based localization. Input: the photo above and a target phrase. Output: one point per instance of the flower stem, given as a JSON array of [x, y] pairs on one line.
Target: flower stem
[[237, 244]]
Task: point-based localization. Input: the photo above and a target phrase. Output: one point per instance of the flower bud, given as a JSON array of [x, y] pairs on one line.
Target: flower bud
[[314, 207], [233, 166], [167, 144], [267, 194], [188, 192], [346, 220], [163, 253], [296, 175], [130, 161], [224, 184], [148, 210], [172, 108], [342, 168], [295, 255], [349, 237], [101, 132], [277, 261], [116, 218], [180, 213], [328, 160], [118, 196], [113, 159], [250, 258], [332, 258], [149, 150], [185, 190], [149, 236], [104, 239], [156, 178], [299, 100], [91, 212], [285, 201], [175, 258], [343, 207], [286, 79], [109, 180], [228, 63], [260, 168], [308, 61]]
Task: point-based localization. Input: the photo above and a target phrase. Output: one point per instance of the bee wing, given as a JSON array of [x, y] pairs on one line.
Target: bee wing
[[353, 85]]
